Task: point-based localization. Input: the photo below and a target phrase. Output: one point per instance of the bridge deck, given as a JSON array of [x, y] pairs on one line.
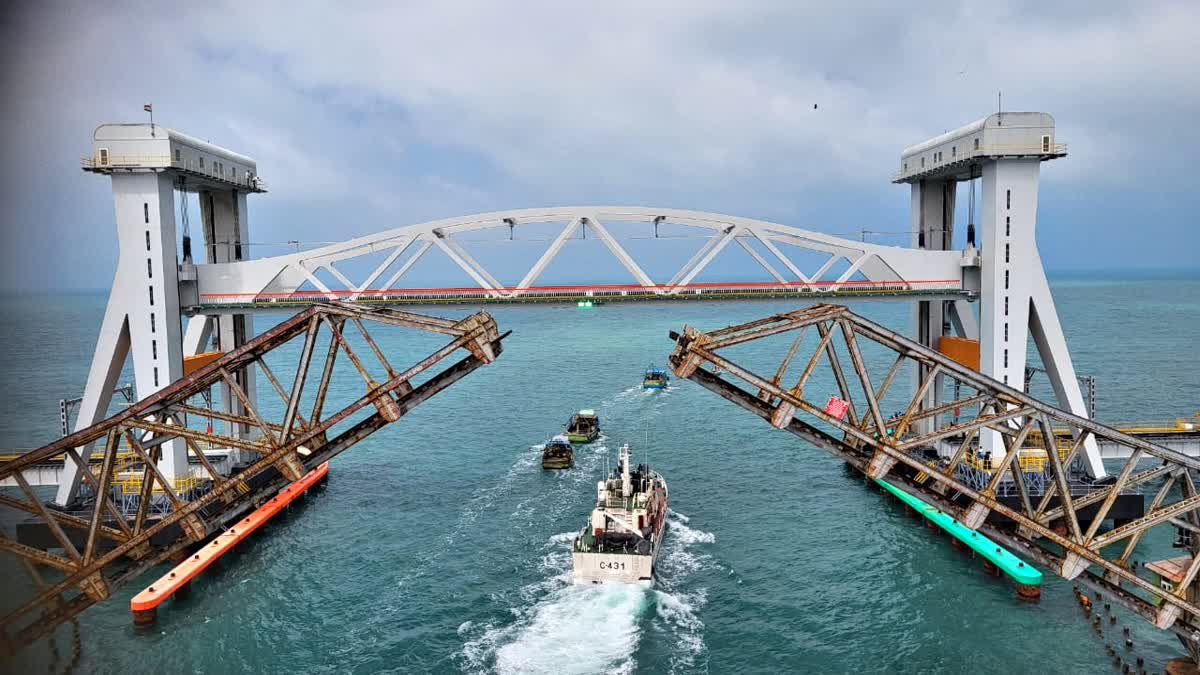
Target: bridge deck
[[595, 293]]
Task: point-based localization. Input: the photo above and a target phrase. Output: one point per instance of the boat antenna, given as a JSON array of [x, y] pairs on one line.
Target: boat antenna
[[646, 448]]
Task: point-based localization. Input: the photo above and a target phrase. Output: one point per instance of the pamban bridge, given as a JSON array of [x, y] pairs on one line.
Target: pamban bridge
[[197, 459]]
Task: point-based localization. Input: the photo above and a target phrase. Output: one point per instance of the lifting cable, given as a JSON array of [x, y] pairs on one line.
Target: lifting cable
[[971, 210], [183, 220]]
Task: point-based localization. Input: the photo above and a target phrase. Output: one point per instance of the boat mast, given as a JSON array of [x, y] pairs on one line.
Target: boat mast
[[625, 486]]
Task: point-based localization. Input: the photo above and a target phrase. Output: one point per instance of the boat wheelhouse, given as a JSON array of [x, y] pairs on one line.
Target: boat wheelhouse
[[623, 537], [584, 427], [557, 453], [655, 378]]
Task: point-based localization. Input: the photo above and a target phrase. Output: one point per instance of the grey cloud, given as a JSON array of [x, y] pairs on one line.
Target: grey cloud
[[373, 116]]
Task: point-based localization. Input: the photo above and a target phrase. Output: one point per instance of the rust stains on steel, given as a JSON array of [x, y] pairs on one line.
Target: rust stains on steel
[[876, 445], [106, 548]]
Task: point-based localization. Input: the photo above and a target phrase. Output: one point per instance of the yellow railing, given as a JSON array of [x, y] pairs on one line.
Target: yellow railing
[[132, 484], [1030, 461], [1158, 427], [1179, 426]]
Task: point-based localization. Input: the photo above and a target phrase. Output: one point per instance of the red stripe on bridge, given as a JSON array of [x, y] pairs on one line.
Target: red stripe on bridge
[[927, 285]]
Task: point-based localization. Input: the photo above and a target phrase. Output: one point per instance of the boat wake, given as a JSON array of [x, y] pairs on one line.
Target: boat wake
[[567, 628], [677, 600], [574, 629]]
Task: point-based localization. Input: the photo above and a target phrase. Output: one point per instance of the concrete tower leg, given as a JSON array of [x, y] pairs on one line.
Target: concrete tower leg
[[1015, 300], [142, 316], [1008, 248], [226, 239], [1051, 344], [933, 229], [112, 348]]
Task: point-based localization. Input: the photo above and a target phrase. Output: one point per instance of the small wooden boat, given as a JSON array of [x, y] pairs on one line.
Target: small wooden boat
[[557, 453], [584, 427], [655, 378]]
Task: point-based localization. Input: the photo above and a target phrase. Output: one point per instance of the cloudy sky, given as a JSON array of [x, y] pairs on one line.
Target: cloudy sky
[[373, 117]]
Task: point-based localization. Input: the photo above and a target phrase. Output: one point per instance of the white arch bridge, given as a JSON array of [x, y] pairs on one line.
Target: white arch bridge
[[844, 267]]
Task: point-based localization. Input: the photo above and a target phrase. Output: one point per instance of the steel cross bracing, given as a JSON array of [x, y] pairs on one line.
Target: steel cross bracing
[[277, 278], [1097, 558], [104, 548]]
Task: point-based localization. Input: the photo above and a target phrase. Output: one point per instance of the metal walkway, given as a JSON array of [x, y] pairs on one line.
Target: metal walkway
[[900, 447]]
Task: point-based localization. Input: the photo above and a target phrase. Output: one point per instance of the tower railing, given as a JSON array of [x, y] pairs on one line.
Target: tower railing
[[970, 152]]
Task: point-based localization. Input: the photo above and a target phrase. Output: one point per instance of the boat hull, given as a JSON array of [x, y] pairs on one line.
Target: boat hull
[[583, 438], [621, 568], [654, 385], [556, 462], [596, 567]]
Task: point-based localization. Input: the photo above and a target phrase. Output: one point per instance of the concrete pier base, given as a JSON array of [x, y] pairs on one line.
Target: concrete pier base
[[1181, 666], [145, 617], [1030, 593]]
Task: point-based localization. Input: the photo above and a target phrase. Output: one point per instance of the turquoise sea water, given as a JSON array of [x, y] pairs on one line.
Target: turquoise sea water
[[440, 545]]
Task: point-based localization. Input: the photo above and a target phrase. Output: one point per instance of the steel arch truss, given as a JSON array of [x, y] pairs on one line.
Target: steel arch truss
[[899, 268], [104, 547], [895, 446]]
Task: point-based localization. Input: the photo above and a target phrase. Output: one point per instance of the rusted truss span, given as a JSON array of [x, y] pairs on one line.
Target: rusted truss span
[[104, 548], [1054, 517]]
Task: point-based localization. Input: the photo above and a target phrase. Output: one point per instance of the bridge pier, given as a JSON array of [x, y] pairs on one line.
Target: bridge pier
[[933, 229], [147, 164], [226, 230], [142, 317], [1004, 151]]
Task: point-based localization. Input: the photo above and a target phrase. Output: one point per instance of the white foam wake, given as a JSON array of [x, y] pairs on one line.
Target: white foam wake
[[562, 628], [688, 535], [576, 629], [559, 627], [677, 601]]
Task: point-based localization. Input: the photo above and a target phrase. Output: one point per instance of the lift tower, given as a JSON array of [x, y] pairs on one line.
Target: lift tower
[[1005, 150], [147, 164]]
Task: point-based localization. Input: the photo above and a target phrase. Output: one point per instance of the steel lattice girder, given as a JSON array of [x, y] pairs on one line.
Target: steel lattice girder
[[117, 549], [278, 276], [1009, 411]]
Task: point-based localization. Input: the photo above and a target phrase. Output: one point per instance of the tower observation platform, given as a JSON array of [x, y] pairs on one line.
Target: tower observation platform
[[140, 148]]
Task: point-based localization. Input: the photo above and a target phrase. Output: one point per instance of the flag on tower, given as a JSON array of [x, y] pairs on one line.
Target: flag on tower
[[148, 108]]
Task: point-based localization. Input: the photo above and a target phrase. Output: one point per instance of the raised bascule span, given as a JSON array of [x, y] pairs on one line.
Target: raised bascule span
[[99, 546], [976, 305], [900, 448]]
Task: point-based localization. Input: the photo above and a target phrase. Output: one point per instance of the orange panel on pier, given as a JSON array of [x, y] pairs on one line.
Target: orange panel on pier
[[962, 350], [193, 363], [143, 604]]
